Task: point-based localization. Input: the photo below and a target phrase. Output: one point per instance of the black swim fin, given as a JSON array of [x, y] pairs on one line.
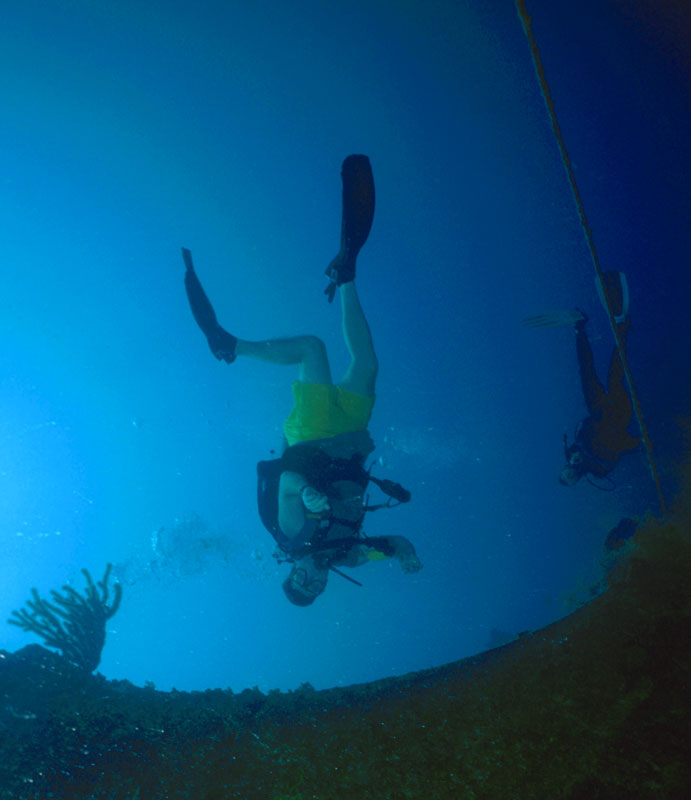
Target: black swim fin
[[221, 342], [356, 223]]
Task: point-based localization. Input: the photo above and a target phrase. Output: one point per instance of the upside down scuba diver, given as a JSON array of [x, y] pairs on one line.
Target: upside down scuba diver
[[313, 499]]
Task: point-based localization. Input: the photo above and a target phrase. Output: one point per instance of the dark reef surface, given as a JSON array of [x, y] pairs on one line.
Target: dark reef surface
[[596, 705]]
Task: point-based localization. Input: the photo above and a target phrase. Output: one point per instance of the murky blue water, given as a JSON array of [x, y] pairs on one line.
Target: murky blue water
[[128, 131]]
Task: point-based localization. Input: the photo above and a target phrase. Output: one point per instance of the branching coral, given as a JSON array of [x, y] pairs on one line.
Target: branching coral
[[74, 623]]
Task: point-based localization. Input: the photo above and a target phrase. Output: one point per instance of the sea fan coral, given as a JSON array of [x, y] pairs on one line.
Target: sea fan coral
[[73, 623]]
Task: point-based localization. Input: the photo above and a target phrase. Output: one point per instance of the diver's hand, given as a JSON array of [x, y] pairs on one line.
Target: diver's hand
[[314, 501]]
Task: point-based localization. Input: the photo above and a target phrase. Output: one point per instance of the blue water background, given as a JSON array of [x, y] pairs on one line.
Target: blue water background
[[130, 129]]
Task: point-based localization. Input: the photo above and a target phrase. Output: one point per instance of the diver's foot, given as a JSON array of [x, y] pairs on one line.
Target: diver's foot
[[221, 343], [580, 323], [341, 270]]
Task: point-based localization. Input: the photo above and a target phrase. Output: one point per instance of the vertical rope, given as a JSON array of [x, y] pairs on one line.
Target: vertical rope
[[544, 88]]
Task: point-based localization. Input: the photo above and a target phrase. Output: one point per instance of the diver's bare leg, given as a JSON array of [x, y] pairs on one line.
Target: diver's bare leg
[[361, 375], [307, 351]]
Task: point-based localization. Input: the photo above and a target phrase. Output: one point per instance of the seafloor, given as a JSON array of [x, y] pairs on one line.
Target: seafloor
[[597, 705]]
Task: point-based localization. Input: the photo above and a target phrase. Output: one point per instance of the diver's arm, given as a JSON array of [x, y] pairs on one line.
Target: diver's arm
[[291, 510], [294, 496]]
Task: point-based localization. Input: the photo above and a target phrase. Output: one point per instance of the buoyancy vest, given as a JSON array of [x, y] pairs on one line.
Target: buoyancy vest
[[336, 468]]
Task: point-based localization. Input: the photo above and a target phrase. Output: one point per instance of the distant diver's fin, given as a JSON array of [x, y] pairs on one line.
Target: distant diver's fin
[[221, 342], [554, 319], [617, 288], [356, 220]]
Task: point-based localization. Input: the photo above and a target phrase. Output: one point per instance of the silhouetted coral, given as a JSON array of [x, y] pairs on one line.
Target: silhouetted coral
[[73, 623]]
